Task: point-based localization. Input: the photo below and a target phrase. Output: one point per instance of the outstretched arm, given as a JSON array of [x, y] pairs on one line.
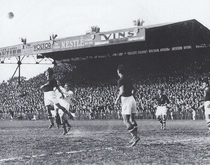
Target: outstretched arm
[[59, 89], [134, 91], [44, 85], [119, 94]]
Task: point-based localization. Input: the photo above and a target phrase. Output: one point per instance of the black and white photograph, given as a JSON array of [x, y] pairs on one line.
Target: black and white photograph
[[104, 82]]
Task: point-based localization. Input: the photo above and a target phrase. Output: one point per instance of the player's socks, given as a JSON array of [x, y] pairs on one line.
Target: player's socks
[[208, 125], [51, 125], [131, 130], [135, 130], [131, 141], [64, 133], [135, 141], [135, 127], [133, 133], [164, 125], [51, 120], [160, 120], [164, 122], [69, 128], [135, 138], [67, 123], [58, 120], [64, 129]]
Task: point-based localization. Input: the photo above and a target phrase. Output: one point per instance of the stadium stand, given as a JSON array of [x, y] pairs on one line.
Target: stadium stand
[[174, 56], [95, 85]]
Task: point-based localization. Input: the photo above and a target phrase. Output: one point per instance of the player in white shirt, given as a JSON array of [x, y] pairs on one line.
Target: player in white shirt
[[65, 102]]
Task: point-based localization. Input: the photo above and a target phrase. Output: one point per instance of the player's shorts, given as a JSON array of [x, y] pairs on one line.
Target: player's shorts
[[66, 105], [128, 105], [50, 98], [53, 113], [161, 111], [207, 110]]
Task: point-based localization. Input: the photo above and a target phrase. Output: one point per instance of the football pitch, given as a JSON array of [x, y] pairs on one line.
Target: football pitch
[[104, 142]]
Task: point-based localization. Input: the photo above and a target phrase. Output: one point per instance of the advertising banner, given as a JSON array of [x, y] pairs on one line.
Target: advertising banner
[[100, 39], [37, 48], [78, 42], [10, 51], [28, 49]]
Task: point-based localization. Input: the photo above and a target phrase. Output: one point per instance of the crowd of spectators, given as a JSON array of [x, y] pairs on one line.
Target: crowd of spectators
[[95, 90]]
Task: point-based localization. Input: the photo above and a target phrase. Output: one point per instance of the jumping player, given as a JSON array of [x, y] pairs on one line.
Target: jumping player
[[128, 103], [50, 98], [65, 102], [206, 104], [161, 112]]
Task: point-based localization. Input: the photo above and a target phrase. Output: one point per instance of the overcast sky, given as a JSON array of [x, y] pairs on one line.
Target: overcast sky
[[37, 19]]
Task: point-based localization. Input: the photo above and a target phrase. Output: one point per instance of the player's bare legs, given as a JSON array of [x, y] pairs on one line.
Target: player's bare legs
[[164, 122], [63, 109], [57, 118], [66, 127], [65, 123], [131, 125], [133, 122], [50, 117]]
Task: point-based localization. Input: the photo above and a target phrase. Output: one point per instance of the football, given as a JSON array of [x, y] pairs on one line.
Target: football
[[10, 15]]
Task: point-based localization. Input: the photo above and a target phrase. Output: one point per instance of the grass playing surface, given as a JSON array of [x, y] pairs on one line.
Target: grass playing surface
[[104, 142]]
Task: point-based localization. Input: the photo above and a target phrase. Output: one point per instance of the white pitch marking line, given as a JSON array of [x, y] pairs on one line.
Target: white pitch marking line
[[57, 153], [42, 155], [4, 160], [34, 156], [98, 149], [73, 152]]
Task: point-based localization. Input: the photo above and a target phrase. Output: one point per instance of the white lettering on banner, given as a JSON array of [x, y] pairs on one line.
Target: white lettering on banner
[[78, 58], [132, 53], [117, 54], [72, 43], [102, 56], [56, 45], [164, 49], [43, 46], [136, 38], [118, 35], [101, 43], [201, 46], [153, 50], [89, 57], [187, 47], [142, 51], [10, 51], [88, 43], [177, 48]]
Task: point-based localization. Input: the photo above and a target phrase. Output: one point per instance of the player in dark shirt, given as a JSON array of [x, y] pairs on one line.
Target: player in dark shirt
[[161, 112], [128, 103], [50, 98]]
